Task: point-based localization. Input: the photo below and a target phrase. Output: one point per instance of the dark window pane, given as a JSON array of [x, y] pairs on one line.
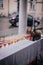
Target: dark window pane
[[1, 3]]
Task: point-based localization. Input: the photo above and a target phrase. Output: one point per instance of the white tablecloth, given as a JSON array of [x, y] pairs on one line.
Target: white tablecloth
[[21, 53]]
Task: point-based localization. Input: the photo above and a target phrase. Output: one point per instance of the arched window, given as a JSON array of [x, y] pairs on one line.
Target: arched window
[[1, 3], [18, 5], [32, 4]]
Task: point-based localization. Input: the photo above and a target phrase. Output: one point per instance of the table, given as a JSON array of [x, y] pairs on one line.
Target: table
[[21, 53]]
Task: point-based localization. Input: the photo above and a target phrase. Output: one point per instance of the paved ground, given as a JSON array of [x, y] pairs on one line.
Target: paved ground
[[6, 29], [4, 24]]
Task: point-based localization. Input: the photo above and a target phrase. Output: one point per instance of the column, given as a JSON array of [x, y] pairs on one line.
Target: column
[[22, 16]]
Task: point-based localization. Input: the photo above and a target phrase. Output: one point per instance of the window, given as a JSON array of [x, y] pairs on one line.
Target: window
[[1, 3], [32, 4]]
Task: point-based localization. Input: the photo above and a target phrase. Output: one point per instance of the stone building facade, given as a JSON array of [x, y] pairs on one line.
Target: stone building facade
[[10, 6]]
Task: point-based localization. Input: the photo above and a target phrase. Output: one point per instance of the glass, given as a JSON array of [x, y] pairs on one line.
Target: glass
[[28, 36], [5, 43], [9, 42], [1, 42], [0, 45]]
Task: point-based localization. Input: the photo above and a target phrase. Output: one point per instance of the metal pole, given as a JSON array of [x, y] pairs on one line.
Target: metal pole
[[33, 27], [42, 9], [42, 5], [17, 5], [8, 8]]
